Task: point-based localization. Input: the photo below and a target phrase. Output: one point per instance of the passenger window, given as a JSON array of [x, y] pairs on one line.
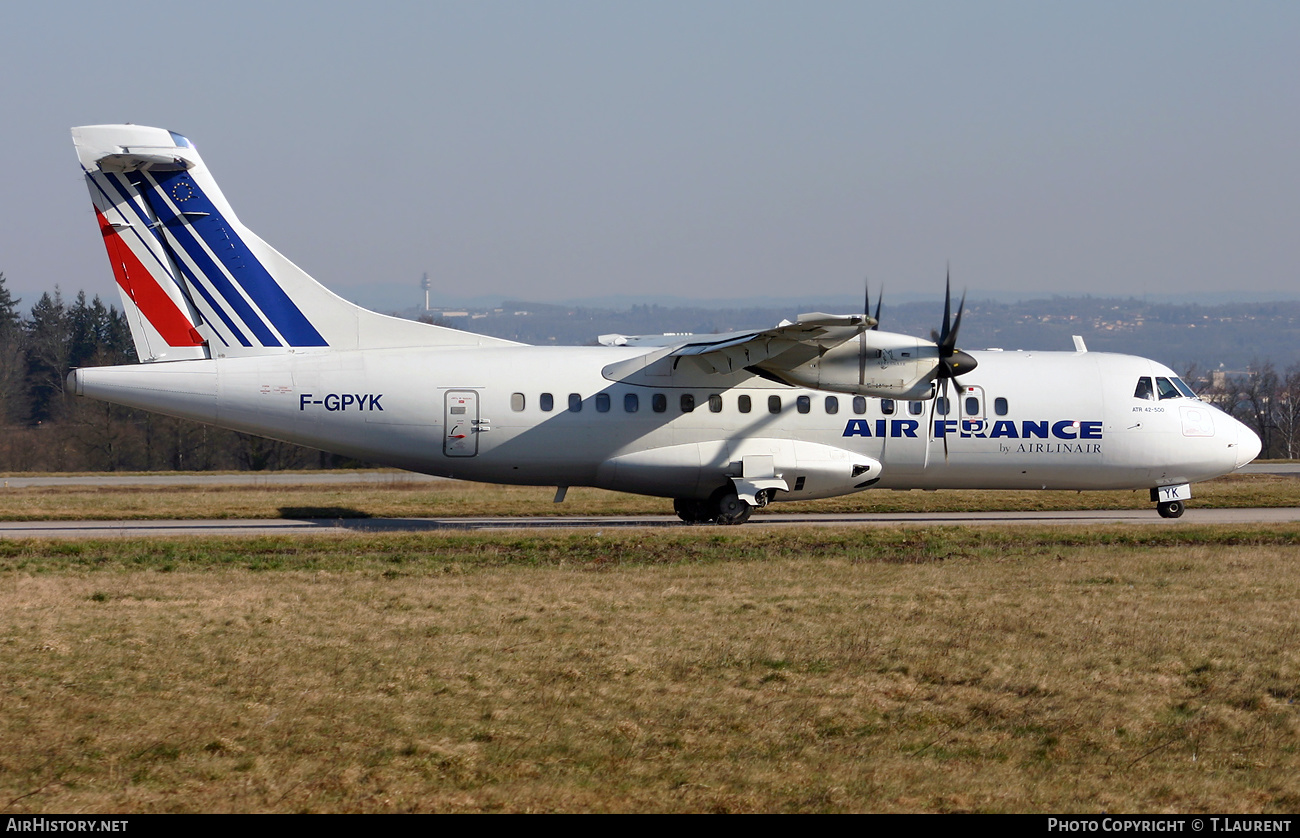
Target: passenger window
[[1167, 389], [658, 402], [715, 403], [743, 404], [773, 404], [804, 403], [941, 405], [516, 402], [832, 405], [575, 403], [602, 402], [915, 408], [1144, 390], [972, 406], [688, 402], [887, 407], [1000, 406], [859, 405], [631, 403], [546, 402]]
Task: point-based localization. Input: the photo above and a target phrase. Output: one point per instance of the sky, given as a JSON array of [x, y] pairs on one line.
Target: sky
[[705, 150]]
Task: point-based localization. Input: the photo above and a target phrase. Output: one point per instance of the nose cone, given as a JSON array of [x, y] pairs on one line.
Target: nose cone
[[1248, 445]]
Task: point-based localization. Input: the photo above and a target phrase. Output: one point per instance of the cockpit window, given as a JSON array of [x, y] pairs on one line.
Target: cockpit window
[[1144, 390], [1184, 389], [1167, 389]]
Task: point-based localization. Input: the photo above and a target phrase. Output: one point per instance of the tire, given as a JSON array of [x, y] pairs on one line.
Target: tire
[[691, 510], [726, 508], [1170, 509]]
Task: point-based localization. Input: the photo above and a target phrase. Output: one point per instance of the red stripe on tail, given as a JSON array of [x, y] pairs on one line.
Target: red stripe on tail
[[143, 289]]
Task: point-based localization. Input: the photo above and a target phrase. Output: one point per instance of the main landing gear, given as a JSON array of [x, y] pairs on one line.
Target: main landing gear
[[1170, 509], [722, 507]]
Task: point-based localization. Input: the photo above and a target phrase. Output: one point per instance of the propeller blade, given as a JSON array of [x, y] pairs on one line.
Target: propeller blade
[[952, 361], [947, 318], [862, 337], [956, 323], [929, 436], [945, 427]]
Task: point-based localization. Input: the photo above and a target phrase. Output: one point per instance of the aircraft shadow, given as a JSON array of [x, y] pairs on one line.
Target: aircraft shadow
[[321, 512]]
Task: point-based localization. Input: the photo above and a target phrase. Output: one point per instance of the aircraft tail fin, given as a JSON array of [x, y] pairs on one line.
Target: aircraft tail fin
[[194, 281]]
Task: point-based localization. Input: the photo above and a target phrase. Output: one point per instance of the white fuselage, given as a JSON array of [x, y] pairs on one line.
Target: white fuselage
[[1051, 420], [233, 333]]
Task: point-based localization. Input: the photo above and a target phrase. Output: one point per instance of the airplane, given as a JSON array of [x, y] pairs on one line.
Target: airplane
[[231, 333]]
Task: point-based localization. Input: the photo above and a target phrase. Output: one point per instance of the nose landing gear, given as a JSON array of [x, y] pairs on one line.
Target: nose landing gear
[[1169, 500]]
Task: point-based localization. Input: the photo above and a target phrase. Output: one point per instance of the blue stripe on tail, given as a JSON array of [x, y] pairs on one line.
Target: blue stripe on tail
[[237, 259]]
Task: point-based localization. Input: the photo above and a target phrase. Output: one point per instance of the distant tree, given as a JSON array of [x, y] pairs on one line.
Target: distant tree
[[49, 350], [1286, 413], [1259, 390], [9, 317], [117, 340], [13, 359], [83, 330], [255, 453], [98, 335]]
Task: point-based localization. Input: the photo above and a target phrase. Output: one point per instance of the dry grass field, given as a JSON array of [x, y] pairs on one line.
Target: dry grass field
[[697, 669], [457, 499]]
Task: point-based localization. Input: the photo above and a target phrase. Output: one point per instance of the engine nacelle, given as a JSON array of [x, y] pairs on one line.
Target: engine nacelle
[[896, 367]]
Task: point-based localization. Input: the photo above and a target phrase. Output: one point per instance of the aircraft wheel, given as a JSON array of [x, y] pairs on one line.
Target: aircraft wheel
[[729, 509], [691, 510], [1170, 509]]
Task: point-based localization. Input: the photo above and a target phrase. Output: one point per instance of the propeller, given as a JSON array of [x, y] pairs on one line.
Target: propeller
[[862, 338], [952, 361]]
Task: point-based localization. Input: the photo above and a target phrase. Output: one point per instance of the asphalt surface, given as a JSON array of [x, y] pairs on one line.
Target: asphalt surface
[[282, 526], [269, 526]]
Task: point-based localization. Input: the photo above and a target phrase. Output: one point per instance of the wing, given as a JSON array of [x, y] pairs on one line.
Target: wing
[[788, 345], [837, 352]]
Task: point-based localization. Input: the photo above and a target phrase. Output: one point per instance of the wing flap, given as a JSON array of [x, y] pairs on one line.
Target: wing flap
[[786, 346], [732, 351]]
